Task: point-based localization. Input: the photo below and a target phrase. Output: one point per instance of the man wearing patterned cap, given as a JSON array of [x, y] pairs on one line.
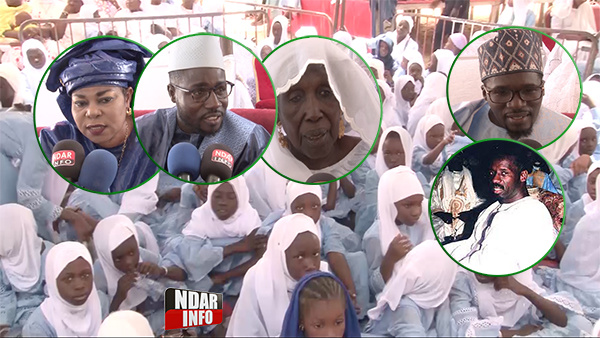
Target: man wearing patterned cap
[[200, 91], [511, 71]]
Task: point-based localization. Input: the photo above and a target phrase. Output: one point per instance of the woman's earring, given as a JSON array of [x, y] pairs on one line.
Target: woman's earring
[[342, 127], [129, 111], [282, 140]]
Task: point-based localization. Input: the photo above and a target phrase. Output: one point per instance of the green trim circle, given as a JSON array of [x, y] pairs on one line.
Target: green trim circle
[[435, 182], [44, 77], [276, 109], [515, 27], [380, 109]]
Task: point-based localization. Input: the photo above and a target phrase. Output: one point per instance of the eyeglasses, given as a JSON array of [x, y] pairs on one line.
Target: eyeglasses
[[506, 95], [222, 91]]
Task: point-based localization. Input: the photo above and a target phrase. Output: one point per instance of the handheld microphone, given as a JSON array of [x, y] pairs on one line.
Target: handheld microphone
[[98, 171], [67, 159], [183, 161], [217, 163]]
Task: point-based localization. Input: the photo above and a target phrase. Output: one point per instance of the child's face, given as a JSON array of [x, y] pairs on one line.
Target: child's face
[[587, 141], [415, 70], [307, 204], [265, 51], [409, 210], [325, 318], [75, 282], [591, 183], [224, 202], [434, 136], [384, 49], [303, 255], [408, 92], [126, 256], [393, 152], [36, 57]]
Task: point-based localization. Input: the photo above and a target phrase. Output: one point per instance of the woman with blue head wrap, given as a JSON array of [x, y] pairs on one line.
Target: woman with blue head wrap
[[320, 307], [95, 80]]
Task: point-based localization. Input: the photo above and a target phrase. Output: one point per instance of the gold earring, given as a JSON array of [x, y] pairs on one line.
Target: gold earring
[[129, 111], [342, 130], [282, 140]]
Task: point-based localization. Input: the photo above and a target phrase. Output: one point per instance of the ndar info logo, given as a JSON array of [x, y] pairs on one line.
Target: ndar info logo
[[187, 308]]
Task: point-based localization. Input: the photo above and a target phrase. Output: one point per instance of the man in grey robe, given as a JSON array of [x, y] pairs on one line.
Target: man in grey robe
[[200, 91]]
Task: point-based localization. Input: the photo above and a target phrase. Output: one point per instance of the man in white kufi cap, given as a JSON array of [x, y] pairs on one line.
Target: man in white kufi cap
[[456, 42], [200, 91]]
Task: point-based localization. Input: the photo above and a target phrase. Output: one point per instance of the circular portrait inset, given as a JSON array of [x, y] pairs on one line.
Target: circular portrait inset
[[88, 137], [329, 110], [506, 84], [194, 114], [497, 207]]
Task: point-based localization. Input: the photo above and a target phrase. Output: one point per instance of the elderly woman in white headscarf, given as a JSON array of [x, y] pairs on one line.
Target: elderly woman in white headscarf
[[22, 261], [578, 274], [320, 89], [74, 308], [512, 306], [293, 250], [402, 210]]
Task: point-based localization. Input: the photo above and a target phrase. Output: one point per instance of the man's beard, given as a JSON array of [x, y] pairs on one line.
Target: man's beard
[[518, 134]]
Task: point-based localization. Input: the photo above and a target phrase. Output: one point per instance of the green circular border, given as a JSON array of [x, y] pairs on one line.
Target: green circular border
[[442, 170], [44, 77], [274, 125], [514, 27], [380, 109]]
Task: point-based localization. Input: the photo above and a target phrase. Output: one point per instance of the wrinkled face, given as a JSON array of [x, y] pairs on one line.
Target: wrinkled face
[[587, 141], [133, 5], [277, 31], [393, 151], [265, 51], [507, 182], [75, 282], [516, 116], [433, 64], [325, 318], [308, 204], [198, 117], [415, 70], [402, 30], [36, 57], [409, 210], [310, 114], [434, 136], [127, 255], [303, 255], [224, 201], [100, 113], [384, 49], [408, 91], [591, 183]]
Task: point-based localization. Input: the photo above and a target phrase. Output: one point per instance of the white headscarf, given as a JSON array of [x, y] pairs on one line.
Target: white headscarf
[[33, 75], [395, 185], [154, 41], [408, 19], [274, 282], [378, 65], [20, 247], [592, 89], [343, 37], [125, 323], [205, 224], [426, 123], [504, 303], [283, 21], [590, 205], [459, 40], [306, 31], [141, 200], [295, 190], [351, 86], [407, 144], [67, 319], [390, 115], [557, 150], [440, 108], [444, 58], [402, 106], [433, 89], [425, 275], [11, 73], [108, 235]]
